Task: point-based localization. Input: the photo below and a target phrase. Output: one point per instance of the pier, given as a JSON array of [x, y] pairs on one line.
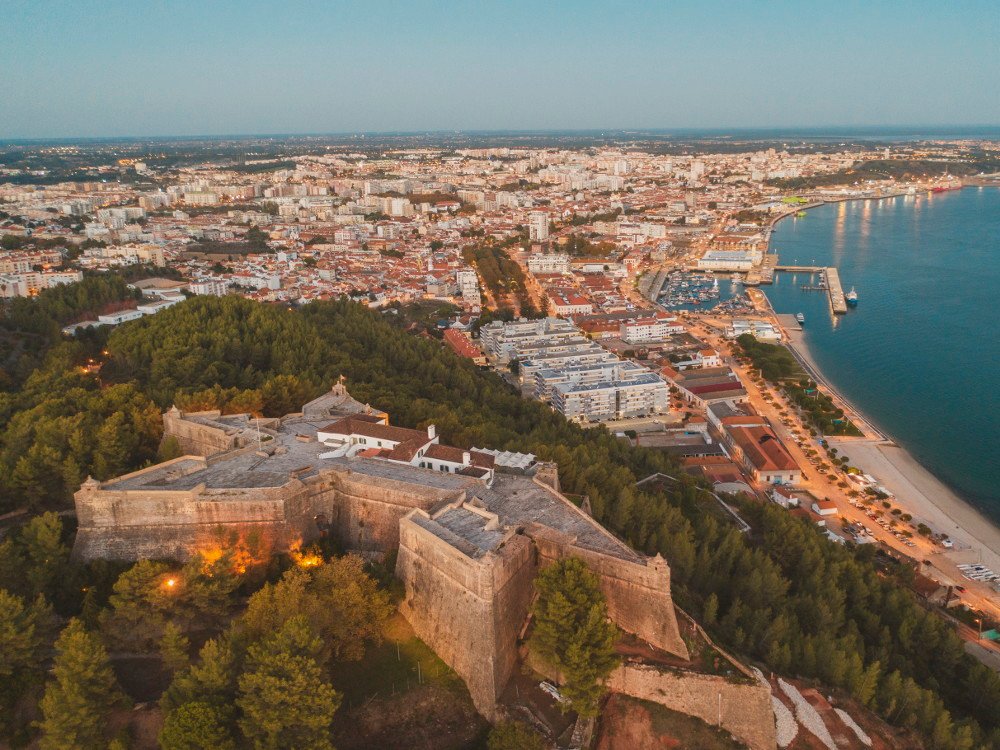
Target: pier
[[651, 289], [837, 301], [831, 279]]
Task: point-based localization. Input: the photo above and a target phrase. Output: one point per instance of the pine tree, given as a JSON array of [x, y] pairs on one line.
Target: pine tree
[[45, 554], [174, 647], [196, 726], [113, 447], [211, 680], [282, 694], [711, 611], [25, 635], [80, 695], [572, 631], [863, 689]]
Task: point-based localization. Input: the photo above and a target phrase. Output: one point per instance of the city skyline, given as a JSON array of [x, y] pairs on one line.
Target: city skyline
[[184, 69]]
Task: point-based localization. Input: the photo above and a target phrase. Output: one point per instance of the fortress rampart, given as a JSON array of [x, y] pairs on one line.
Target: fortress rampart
[[743, 709], [470, 541], [638, 593], [467, 610]]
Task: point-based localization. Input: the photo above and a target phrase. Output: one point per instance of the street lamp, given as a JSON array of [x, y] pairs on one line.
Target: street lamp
[[979, 622]]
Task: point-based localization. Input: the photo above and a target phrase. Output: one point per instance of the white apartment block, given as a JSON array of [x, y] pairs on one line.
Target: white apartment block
[[643, 396], [588, 374], [538, 226], [727, 260], [589, 355], [29, 284], [213, 287], [760, 330], [503, 341], [648, 330], [548, 263], [468, 284]]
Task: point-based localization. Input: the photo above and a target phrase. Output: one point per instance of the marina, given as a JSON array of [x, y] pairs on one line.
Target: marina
[[689, 289]]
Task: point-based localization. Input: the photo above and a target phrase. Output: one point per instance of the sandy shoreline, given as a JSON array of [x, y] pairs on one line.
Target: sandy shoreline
[[918, 491]]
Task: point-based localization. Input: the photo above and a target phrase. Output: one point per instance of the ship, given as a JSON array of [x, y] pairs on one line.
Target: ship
[[953, 185], [852, 298], [800, 317]]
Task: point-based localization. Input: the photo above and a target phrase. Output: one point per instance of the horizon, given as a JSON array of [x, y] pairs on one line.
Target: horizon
[[209, 70], [805, 133]]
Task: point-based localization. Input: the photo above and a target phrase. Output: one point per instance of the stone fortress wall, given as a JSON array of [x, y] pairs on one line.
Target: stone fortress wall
[[199, 438], [468, 597], [469, 611], [743, 709]]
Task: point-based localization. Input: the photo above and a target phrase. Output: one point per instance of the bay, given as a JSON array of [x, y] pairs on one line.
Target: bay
[[920, 354]]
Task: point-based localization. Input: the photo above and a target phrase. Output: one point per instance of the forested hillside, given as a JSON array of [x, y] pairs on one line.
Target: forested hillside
[[782, 596]]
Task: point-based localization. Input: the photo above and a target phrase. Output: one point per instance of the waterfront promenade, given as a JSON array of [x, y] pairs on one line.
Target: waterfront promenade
[[916, 490]]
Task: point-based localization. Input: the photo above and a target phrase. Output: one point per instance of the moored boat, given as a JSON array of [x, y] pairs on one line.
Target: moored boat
[[852, 298]]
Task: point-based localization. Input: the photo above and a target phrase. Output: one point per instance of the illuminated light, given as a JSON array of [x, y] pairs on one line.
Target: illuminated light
[[170, 583], [308, 559]]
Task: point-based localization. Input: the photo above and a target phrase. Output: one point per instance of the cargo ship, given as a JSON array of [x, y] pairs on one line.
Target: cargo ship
[[852, 298], [945, 188]]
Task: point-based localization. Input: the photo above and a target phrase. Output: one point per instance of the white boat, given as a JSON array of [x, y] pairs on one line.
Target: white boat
[[800, 318]]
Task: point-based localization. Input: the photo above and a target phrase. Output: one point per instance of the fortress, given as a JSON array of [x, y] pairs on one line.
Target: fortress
[[471, 528]]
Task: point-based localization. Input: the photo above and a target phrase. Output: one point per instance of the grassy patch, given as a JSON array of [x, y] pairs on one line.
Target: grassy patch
[[401, 663], [690, 731]]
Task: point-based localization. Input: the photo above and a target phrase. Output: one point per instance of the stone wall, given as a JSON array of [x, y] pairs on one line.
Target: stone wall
[[197, 439], [145, 523], [744, 708], [467, 610], [637, 593], [365, 511], [362, 512]]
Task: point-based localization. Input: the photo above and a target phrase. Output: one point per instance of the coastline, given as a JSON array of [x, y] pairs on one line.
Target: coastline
[[918, 491]]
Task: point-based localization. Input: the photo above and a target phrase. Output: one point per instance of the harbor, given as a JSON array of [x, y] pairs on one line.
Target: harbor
[[829, 282]]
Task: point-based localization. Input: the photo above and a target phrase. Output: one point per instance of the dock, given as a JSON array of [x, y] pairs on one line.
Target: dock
[[837, 301], [831, 278]]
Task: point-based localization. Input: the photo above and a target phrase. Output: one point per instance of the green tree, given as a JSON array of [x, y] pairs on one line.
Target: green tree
[[514, 735], [284, 394], [25, 635], [572, 631], [196, 726], [114, 447], [45, 554], [340, 601], [81, 694], [282, 694], [137, 611], [150, 594], [211, 680], [174, 646]]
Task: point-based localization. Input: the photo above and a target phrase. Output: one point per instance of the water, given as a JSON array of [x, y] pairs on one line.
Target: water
[[919, 355]]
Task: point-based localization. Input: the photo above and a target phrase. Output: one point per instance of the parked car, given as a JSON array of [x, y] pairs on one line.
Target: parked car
[[552, 690]]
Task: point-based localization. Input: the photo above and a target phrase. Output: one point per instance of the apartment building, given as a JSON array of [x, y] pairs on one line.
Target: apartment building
[[538, 226], [548, 263], [505, 341], [644, 396], [587, 374]]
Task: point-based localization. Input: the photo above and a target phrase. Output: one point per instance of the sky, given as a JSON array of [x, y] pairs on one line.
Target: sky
[[215, 67]]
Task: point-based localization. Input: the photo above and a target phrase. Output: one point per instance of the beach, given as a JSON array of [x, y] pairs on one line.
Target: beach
[[917, 491]]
